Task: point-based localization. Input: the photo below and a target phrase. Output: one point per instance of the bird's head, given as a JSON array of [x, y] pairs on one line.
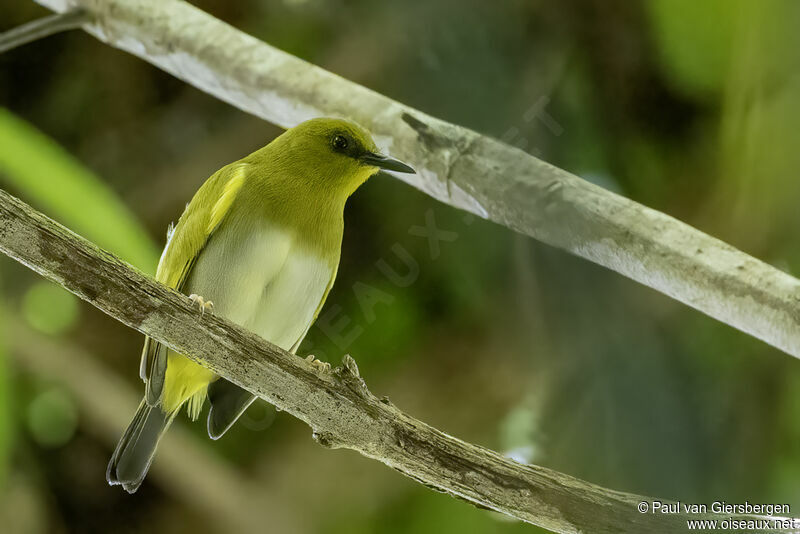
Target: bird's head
[[333, 154]]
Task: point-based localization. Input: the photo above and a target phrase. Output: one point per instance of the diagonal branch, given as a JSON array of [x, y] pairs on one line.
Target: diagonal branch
[[461, 167], [337, 405]]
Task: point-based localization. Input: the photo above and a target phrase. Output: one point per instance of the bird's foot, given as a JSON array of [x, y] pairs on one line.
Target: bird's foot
[[325, 367], [202, 304]]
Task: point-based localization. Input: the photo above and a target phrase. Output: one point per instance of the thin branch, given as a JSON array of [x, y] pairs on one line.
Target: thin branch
[[336, 404], [461, 167], [43, 27]]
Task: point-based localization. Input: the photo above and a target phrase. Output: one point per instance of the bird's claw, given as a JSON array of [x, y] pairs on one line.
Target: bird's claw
[[325, 367], [203, 304]]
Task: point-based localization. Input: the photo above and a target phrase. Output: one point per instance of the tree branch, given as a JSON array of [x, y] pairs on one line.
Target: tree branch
[[461, 167], [41, 28], [186, 469], [337, 405]]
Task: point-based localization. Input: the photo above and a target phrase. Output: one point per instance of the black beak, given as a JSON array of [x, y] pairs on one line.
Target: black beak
[[386, 163]]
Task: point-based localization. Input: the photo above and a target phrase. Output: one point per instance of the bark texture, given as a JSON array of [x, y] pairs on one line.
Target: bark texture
[[461, 167], [336, 404]]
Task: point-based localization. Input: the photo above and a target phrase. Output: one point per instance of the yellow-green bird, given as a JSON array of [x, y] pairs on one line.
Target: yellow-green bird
[[261, 239]]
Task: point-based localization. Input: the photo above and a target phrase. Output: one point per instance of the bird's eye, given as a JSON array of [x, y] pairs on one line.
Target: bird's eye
[[340, 142]]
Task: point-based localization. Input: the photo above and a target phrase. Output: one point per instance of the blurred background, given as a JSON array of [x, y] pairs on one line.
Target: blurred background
[[688, 107]]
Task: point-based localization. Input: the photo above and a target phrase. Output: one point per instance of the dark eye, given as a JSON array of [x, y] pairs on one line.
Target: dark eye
[[340, 143]]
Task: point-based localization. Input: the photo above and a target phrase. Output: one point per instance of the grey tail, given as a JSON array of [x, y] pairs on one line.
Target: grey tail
[[228, 401], [136, 448]]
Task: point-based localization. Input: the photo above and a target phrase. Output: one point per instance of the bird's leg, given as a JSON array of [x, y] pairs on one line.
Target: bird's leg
[[203, 304], [319, 364]]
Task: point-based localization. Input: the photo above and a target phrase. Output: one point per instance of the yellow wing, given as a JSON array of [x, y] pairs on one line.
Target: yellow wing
[[185, 242]]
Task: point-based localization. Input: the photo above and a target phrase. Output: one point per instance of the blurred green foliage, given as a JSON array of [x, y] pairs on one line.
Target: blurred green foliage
[[53, 180], [49, 308], [694, 40], [6, 407], [689, 107], [52, 417]]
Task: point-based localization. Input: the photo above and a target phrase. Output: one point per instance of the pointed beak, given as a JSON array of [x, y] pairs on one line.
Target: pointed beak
[[386, 163]]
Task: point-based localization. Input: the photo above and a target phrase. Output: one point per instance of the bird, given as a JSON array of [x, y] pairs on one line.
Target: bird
[[259, 244]]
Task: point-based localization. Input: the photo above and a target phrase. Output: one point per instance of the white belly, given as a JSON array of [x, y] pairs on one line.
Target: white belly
[[290, 300], [265, 282]]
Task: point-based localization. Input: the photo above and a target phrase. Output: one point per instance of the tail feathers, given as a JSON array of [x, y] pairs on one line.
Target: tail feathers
[[136, 448], [228, 402]]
